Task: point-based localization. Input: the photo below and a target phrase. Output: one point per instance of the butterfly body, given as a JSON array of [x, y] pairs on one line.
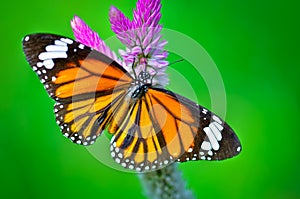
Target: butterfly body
[[139, 91], [151, 126]]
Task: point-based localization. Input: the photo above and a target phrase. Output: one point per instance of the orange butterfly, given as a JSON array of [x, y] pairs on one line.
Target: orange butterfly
[[152, 127]]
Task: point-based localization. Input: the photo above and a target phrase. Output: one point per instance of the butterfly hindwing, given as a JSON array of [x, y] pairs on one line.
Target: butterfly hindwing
[[86, 85], [83, 121]]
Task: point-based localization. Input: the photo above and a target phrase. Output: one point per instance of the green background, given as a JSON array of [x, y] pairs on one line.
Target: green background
[[256, 48]]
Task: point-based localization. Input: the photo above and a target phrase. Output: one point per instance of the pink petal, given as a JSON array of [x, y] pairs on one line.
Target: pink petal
[[119, 23], [146, 9], [85, 35]]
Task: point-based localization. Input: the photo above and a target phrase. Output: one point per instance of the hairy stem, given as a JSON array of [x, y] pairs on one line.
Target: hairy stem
[[166, 183]]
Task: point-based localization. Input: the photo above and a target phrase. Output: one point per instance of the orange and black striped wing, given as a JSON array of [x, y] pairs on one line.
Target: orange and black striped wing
[[163, 127], [86, 85]]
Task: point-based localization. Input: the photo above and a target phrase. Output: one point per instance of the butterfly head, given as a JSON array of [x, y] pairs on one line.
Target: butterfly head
[[144, 76]]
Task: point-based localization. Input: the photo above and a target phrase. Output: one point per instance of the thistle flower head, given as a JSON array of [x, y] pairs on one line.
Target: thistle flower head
[[141, 36]]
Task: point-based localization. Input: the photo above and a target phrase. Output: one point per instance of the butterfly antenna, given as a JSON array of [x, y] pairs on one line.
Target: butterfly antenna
[[133, 63], [180, 60], [152, 76]]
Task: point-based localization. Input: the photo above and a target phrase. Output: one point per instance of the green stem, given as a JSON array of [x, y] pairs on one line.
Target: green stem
[[166, 183]]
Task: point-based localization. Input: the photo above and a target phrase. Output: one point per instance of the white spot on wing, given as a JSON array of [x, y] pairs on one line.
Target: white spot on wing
[[117, 160], [238, 149], [120, 155], [49, 64], [54, 48], [26, 38], [81, 46], [213, 140], [39, 64], [52, 55], [216, 131], [217, 119], [218, 126], [113, 154], [67, 40], [206, 146], [60, 43]]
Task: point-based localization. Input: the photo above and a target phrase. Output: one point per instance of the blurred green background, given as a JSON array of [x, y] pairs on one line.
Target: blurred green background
[[256, 48]]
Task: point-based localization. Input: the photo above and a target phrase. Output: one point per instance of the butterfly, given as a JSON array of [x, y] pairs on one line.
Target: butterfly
[[151, 127]]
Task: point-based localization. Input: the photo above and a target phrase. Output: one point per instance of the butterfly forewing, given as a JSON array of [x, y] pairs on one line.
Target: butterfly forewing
[[86, 85], [69, 69]]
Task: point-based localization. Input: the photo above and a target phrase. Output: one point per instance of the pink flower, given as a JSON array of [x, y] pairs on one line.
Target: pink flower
[[141, 36]]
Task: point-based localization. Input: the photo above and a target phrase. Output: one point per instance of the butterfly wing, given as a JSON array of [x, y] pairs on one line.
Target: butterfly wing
[[163, 127], [86, 85]]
